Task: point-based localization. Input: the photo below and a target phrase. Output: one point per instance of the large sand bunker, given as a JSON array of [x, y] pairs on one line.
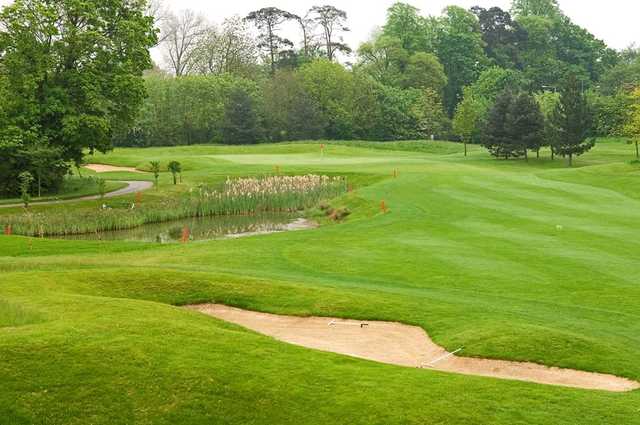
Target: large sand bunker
[[403, 345]]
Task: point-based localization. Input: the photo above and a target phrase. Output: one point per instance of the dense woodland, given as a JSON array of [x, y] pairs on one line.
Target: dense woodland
[[76, 84]]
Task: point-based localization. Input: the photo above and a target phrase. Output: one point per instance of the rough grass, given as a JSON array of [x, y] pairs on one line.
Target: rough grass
[[13, 315], [510, 260]]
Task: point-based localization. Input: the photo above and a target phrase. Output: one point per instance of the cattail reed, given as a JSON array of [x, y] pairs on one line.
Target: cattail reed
[[246, 196]]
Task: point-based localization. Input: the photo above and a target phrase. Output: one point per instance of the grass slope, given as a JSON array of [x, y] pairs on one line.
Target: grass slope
[[509, 260]]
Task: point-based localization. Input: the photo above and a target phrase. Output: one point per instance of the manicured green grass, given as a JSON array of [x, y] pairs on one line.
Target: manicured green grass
[[512, 260], [72, 187]]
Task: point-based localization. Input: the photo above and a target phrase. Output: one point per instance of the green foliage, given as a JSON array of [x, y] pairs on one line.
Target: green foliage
[[184, 111], [546, 8], [625, 76], [175, 168], [414, 32], [548, 102], [515, 125], [290, 112], [572, 122], [610, 113], [632, 125], [493, 81], [468, 121], [155, 169], [330, 86], [25, 180], [102, 187], [424, 71], [241, 123], [71, 75], [460, 49], [504, 37]]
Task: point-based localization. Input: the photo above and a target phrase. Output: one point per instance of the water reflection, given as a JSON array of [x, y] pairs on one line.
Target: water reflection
[[198, 229]]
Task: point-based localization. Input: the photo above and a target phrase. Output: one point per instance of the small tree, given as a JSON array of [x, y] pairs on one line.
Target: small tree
[[526, 123], [102, 187], [467, 120], [547, 101], [498, 136], [572, 122], [175, 168], [632, 127], [25, 180], [155, 169]]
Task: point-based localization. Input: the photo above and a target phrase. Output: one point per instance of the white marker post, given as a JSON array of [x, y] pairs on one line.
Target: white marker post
[[439, 359]]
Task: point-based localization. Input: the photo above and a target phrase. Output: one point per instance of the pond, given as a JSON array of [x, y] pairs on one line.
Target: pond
[[200, 229]]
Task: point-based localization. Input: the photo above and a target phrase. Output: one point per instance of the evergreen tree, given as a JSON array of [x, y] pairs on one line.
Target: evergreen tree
[[572, 122], [526, 124], [498, 133], [240, 124]]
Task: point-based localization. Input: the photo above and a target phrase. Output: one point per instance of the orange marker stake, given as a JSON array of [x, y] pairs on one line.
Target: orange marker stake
[[383, 207], [185, 235], [138, 198], [7, 230]]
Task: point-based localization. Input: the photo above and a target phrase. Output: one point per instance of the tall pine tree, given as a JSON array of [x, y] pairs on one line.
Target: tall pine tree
[[572, 122]]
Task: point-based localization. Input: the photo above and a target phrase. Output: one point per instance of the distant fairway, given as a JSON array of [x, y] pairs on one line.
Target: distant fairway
[[510, 260]]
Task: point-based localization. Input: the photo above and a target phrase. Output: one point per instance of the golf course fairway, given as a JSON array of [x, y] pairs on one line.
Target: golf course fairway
[[511, 260]]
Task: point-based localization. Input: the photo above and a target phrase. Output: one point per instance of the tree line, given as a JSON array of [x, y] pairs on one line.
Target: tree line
[[77, 77]]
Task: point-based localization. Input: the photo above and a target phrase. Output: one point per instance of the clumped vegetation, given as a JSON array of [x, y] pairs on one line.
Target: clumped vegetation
[[273, 194]]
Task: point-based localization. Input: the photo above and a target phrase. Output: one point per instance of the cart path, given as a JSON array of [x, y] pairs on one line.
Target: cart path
[[133, 186], [403, 345]]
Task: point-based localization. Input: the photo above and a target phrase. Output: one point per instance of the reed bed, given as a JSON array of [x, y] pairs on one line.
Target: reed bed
[[246, 196]]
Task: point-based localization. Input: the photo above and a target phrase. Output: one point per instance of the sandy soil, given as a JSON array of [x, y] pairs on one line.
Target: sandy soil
[[403, 345], [100, 168]]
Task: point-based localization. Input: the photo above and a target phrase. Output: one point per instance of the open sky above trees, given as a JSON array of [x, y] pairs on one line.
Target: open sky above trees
[[615, 21]]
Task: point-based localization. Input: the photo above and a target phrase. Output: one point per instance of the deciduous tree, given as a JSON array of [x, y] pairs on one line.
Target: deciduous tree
[[73, 74], [182, 33], [632, 127]]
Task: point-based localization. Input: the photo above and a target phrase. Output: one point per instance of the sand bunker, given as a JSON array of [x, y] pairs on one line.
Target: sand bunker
[[403, 345], [101, 168]]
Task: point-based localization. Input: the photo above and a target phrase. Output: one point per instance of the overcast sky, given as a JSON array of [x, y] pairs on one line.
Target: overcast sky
[[614, 21]]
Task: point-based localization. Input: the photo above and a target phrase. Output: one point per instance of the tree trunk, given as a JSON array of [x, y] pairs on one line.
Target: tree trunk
[[40, 182], [465, 148], [526, 155], [637, 151], [538, 153], [175, 181], [570, 160], [553, 154]]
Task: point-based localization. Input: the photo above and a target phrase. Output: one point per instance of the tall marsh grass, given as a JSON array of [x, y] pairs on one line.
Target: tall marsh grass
[[237, 197]]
